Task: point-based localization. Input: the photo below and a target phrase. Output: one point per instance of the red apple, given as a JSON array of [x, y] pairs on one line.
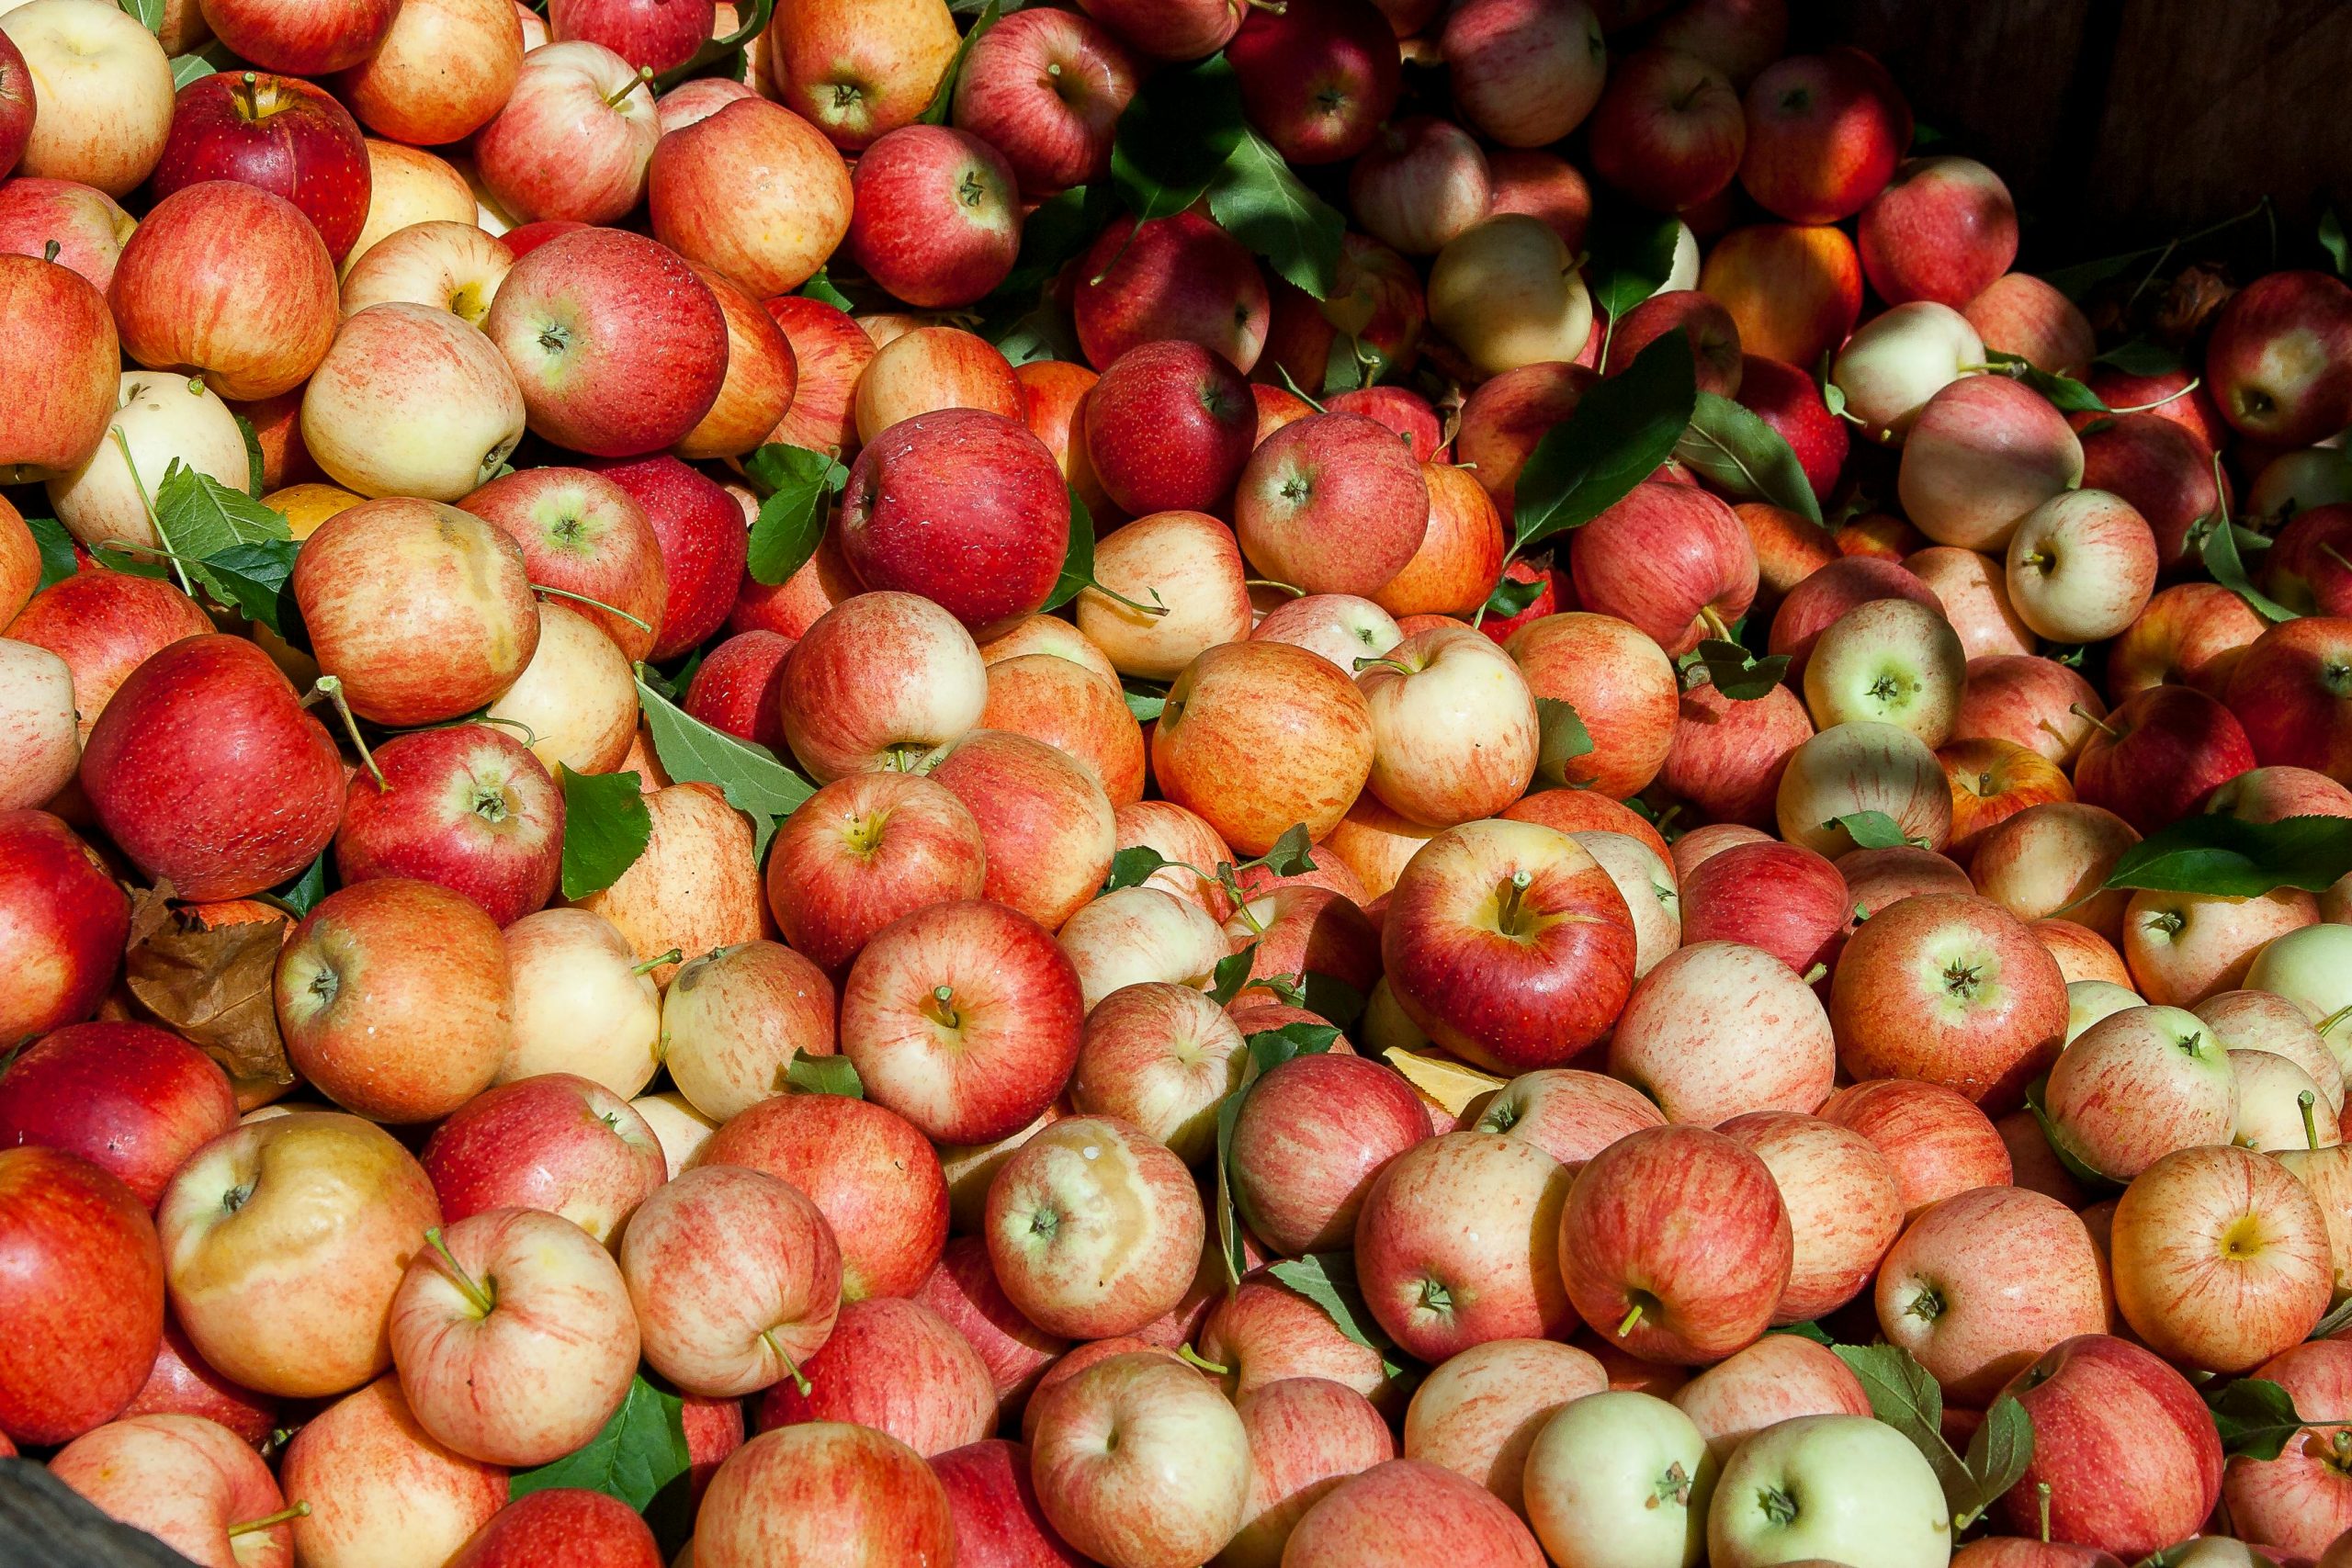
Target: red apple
[[2276, 358], [2123, 1444], [1316, 77], [897, 1367], [963, 1289], [87, 226], [937, 216], [1793, 290], [1525, 73], [562, 1524], [1942, 229], [1313, 1133], [1174, 278], [2164, 472], [1728, 757], [467, 807], [1168, 427], [2159, 753], [804, 1491], [182, 1383], [2299, 1502], [998, 1521], [17, 105], [83, 1293], [879, 680], [1937, 1140], [1423, 181], [1714, 339], [131, 1099], [185, 1481], [2292, 693], [62, 353], [1405, 1512], [2192, 634], [1170, 29], [584, 534], [280, 134], [1785, 398], [1783, 899], [1719, 1030], [572, 139], [307, 38], [554, 1142], [1672, 560], [699, 533], [755, 192], [1824, 134], [859, 70], [1046, 88], [1667, 131], [1258, 736], [652, 34], [831, 352]]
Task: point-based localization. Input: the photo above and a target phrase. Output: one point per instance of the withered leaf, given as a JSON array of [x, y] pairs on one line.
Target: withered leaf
[[213, 985]]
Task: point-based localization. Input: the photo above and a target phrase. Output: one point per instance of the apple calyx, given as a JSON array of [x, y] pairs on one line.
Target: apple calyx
[[767, 1338], [283, 1515], [969, 191], [644, 76], [1193, 1358], [650, 964], [1961, 978], [1673, 1486], [482, 1298], [1927, 1306], [598, 604], [1436, 1298], [330, 688]]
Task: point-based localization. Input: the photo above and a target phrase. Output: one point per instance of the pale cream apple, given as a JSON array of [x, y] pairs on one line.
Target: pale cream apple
[[1863, 766], [1139, 1459], [734, 1020], [2183, 947], [1648, 885], [2137, 1085], [930, 367], [1888, 662], [1343, 627], [103, 88], [1828, 1488], [407, 185], [160, 418], [2308, 968], [1721, 1029], [1620, 1479], [582, 1003], [2279, 1105], [1094, 1228], [190, 1482], [433, 384], [678, 1127], [41, 744], [1900, 358], [2263, 1021], [1184, 569], [2081, 567], [2088, 1001], [575, 703], [1136, 934], [450, 266], [1507, 292], [1454, 727]]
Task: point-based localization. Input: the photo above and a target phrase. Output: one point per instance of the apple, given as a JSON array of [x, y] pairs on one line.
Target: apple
[[1525, 73], [1619, 682], [1313, 1135], [554, 1142], [963, 1289], [1136, 935], [185, 1481], [2163, 470], [1307, 1437], [2019, 314], [1316, 78], [936, 220], [1845, 1207], [1822, 598], [87, 225], [1942, 229], [2190, 634], [1785, 398], [2299, 1501], [2279, 1105], [43, 744], [407, 186], [573, 139], [1833, 1487], [2221, 1258], [1728, 758], [1307, 476], [1669, 130], [133, 1099], [2055, 856], [17, 105], [1779, 1378], [1624, 1467], [2138, 1084], [1875, 878], [2300, 569], [1504, 417], [1067, 705], [538, 1526], [1862, 766], [897, 1367], [1506, 293], [998, 1521], [1993, 781], [1672, 560], [1793, 290], [1139, 1460], [583, 534], [860, 69], [1460, 555], [864, 851], [1421, 181], [1183, 29], [931, 369], [753, 192], [2262, 1021], [1160, 1056], [83, 1271], [2030, 701], [2289, 691], [2182, 948], [1453, 725], [2081, 566], [678, 1127], [655, 37], [1825, 132], [734, 688], [2122, 1443], [180, 797], [444, 70], [1343, 627], [1889, 661], [2271, 357], [1045, 92], [477, 815], [1046, 825], [699, 532], [1093, 1228], [1168, 428], [160, 418], [280, 134], [1179, 278], [695, 887], [1407, 1511], [1936, 1139], [1258, 736], [104, 92], [452, 267], [880, 676], [1720, 1029], [1438, 1287], [1983, 453], [371, 1472], [1568, 1113], [286, 1292], [804, 1491], [1899, 359], [426, 373], [582, 1004], [1261, 1332]]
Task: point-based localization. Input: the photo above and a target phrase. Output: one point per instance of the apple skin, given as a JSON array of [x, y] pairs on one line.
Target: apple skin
[[699, 529], [1316, 78], [1665, 559], [1421, 181], [2291, 690], [467, 807], [734, 688], [280, 134], [936, 219], [566, 1525], [1784, 898], [1161, 1055], [998, 1521], [1454, 729], [1303, 480], [182, 1385], [870, 1173], [2125, 1445], [1785, 398], [1505, 292], [894, 1365], [1187, 29], [306, 40], [1622, 1465], [83, 1293], [1094, 1228], [1406, 1512], [1568, 1113], [1669, 130], [1942, 229], [1525, 71], [1507, 974], [2274, 358], [1048, 93], [755, 192], [554, 1142], [2163, 750], [184, 1481], [1313, 1134], [1720, 1029], [802, 1494], [1438, 1288], [963, 1289], [2190, 633], [1307, 1437], [736, 1279], [1844, 1206], [879, 677], [376, 968], [1728, 758], [17, 105], [87, 226], [858, 69], [370, 1473], [657, 35], [65, 412], [106, 98], [1825, 132], [572, 139], [179, 796], [442, 70], [2166, 473], [1780, 1377], [1168, 428], [923, 369], [1828, 1487], [1939, 1142], [1258, 736], [1478, 1412], [910, 520], [1139, 1460], [131, 1099], [1172, 277], [2138, 1084], [1984, 451], [1793, 290], [864, 851], [1049, 828], [1504, 417], [1066, 705], [2300, 570]]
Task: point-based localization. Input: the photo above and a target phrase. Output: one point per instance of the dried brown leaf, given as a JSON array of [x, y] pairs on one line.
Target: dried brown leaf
[[213, 985]]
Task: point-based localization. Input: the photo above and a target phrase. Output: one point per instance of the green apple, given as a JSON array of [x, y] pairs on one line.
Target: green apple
[[1620, 1479], [2312, 968], [1845, 1488]]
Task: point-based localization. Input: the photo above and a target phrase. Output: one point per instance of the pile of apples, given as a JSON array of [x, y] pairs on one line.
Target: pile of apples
[[1302, 784]]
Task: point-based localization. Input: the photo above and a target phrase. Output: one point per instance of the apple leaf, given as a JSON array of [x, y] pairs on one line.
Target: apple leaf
[[195, 67], [1622, 430], [1232, 973], [2332, 240], [1328, 1279], [1133, 867], [824, 1074], [1561, 738], [202, 517], [2255, 1417], [1998, 1457], [1229, 1248], [1512, 595], [1873, 831], [941, 101], [1905, 1395], [1738, 674], [713, 51], [255, 462], [1257, 199], [1292, 855], [1078, 568], [2036, 1105], [1812, 1331], [1272, 1047], [692, 752], [214, 985], [300, 896], [1175, 136], [606, 828], [150, 14], [1745, 457], [819, 287], [56, 548], [2217, 547], [1145, 699], [2140, 358], [1059, 228], [1332, 997], [800, 485], [1631, 255], [2066, 394], [257, 581], [641, 1450], [2223, 855]]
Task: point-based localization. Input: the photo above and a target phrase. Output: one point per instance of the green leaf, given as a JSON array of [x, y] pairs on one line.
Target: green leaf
[[1175, 135], [935, 112], [717, 50], [1562, 738], [1078, 556], [2218, 550], [1272, 1047], [1745, 457], [1145, 699], [1623, 429], [820, 287], [1257, 199], [1872, 829], [799, 484], [253, 460], [257, 581], [186, 68], [1332, 998], [2332, 240], [2255, 1417], [1328, 1279], [2066, 393], [2036, 1104], [1906, 1397], [1997, 1456], [56, 547], [824, 1074], [301, 896], [1134, 866], [2223, 855], [1737, 672], [1292, 855], [1812, 1331], [752, 780], [2140, 358], [642, 1449], [1061, 228], [1632, 255], [200, 516], [606, 828], [1511, 596], [148, 12], [1232, 973]]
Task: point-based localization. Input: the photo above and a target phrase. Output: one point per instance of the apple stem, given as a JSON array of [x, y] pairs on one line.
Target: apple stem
[[943, 1009], [1630, 1319], [2332, 553], [2079, 711], [1380, 662], [1186, 1352], [330, 688], [1815, 975], [1508, 912], [2194, 382], [650, 964], [484, 1301], [1118, 598], [1713, 622], [613, 100], [49, 250], [767, 1336], [2041, 1506], [147, 501], [1292, 589], [599, 603], [2332, 1019], [2305, 1102], [283, 1515]]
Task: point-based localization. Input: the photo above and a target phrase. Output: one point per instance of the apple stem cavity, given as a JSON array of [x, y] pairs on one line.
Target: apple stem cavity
[[767, 1336], [644, 77], [2303, 1102], [650, 964], [330, 688], [1509, 907], [1187, 1353], [283, 1515], [599, 603], [483, 1299], [941, 1008]]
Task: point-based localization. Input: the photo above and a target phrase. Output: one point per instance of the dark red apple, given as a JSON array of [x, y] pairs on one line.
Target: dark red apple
[[2153, 759], [1785, 398], [1784, 898], [552, 1141], [735, 686], [133, 1099], [1715, 337], [937, 220], [650, 34], [469, 808], [1174, 278], [703, 538], [997, 1522], [1168, 427], [2280, 360], [1318, 76], [1669, 130], [2292, 693], [81, 1291], [284, 135]]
